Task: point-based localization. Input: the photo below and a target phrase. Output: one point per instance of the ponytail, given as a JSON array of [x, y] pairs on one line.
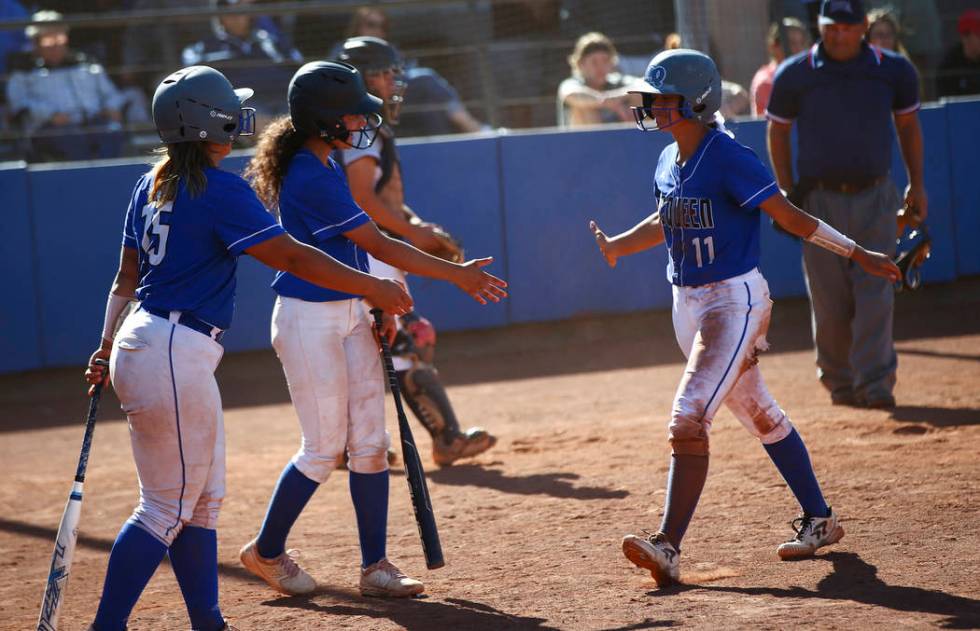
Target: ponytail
[[179, 160], [266, 170]]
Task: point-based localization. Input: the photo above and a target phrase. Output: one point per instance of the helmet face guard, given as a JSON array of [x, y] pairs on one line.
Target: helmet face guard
[[393, 104], [246, 121], [645, 114], [360, 138]]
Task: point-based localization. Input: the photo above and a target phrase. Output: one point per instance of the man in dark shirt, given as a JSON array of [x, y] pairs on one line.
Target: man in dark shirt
[[959, 72], [844, 96]]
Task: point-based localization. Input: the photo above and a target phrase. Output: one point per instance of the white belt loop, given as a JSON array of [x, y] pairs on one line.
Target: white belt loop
[[215, 332], [175, 316]]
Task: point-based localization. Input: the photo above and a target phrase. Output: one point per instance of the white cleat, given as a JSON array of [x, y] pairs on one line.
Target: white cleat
[[281, 573], [385, 580], [656, 554], [812, 533]]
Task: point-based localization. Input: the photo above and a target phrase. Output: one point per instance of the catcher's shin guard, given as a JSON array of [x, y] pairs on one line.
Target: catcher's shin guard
[[427, 398]]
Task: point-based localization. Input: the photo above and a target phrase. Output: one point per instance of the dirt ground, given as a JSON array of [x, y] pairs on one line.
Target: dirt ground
[[532, 529]]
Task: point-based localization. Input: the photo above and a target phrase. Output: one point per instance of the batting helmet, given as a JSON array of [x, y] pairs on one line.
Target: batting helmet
[[688, 73], [373, 54], [322, 92], [198, 103]]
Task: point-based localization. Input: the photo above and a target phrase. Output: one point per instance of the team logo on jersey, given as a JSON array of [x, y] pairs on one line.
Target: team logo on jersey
[[687, 212], [656, 75]]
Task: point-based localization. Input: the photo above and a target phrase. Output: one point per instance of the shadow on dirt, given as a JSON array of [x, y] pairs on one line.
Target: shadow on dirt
[[410, 613], [936, 416], [553, 484], [856, 580]]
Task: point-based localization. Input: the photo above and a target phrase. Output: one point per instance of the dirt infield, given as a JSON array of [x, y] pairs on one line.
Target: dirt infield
[[532, 530]]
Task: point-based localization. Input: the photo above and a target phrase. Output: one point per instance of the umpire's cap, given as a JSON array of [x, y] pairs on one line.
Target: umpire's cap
[[321, 92], [198, 103]]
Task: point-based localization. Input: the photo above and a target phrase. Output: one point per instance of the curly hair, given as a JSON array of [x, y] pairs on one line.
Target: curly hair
[[265, 171], [179, 160]]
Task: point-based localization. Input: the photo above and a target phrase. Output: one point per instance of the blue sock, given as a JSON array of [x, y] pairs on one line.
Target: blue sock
[[194, 557], [134, 558], [791, 458], [369, 492], [289, 499]]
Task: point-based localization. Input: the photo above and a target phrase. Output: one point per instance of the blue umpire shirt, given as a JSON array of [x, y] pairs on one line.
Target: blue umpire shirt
[[843, 110]]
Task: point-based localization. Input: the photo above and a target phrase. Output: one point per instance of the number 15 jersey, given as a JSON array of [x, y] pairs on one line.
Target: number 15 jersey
[[709, 209]]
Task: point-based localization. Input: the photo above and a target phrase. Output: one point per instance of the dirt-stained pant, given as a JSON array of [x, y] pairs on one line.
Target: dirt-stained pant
[[163, 374], [721, 327], [333, 370], [852, 310]]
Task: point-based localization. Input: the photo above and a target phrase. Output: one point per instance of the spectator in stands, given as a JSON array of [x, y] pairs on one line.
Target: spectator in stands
[[237, 39], [920, 29], [735, 100], [797, 40], [959, 72], [595, 93], [845, 99], [884, 31], [432, 106], [64, 101]]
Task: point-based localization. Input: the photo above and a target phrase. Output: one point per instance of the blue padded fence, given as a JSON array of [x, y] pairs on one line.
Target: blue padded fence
[[524, 199]]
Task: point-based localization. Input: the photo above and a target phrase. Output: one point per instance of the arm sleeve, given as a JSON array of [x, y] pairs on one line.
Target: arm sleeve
[[328, 207], [906, 88], [747, 180], [784, 99], [241, 220]]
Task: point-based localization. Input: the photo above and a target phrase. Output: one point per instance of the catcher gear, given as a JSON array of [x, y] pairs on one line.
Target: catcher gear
[[374, 55], [322, 92], [911, 255], [416, 339], [198, 103], [688, 73], [427, 398]]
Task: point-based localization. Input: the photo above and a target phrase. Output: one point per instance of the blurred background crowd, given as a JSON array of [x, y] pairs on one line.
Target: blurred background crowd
[[76, 77]]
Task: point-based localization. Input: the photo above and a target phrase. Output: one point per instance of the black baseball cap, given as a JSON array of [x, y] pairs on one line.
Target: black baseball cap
[[842, 12]]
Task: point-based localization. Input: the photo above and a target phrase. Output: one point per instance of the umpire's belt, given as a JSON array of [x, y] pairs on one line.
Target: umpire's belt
[[848, 186], [189, 320]]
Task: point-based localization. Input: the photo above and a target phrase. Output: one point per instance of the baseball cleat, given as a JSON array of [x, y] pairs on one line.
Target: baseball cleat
[[472, 442], [812, 533], [281, 573], [656, 554], [384, 580]]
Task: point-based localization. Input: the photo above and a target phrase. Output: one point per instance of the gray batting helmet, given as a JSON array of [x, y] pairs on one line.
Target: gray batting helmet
[[688, 73], [198, 103]]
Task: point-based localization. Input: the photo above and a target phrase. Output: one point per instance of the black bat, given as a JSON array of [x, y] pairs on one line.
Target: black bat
[[421, 502], [64, 543]]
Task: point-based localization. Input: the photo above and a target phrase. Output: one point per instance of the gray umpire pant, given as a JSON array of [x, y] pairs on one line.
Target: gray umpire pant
[[852, 310]]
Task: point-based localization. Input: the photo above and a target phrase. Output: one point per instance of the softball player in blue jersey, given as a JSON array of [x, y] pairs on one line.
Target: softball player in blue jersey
[[186, 224], [709, 191], [324, 338]]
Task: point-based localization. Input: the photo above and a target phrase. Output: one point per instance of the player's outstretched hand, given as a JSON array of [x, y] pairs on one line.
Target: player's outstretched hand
[[389, 328], [603, 242], [98, 369], [482, 286], [877, 263], [390, 296]]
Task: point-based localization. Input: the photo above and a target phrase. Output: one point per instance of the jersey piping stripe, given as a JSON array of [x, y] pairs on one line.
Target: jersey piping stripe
[[252, 235], [698, 163], [180, 444], [337, 225], [756, 194], [738, 347]]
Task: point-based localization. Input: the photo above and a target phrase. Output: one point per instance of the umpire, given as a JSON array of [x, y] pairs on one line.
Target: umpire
[[843, 95]]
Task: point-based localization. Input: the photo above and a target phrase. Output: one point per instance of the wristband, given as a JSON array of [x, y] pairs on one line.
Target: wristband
[[830, 239]]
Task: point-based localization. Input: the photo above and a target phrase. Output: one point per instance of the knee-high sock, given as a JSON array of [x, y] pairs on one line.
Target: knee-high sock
[[793, 461], [685, 481], [369, 492], [134, 558], [289, 499], [194, 557]]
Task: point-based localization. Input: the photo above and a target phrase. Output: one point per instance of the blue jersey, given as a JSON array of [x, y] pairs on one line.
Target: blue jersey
[[188, 248], [709, 209], [316, 208]]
